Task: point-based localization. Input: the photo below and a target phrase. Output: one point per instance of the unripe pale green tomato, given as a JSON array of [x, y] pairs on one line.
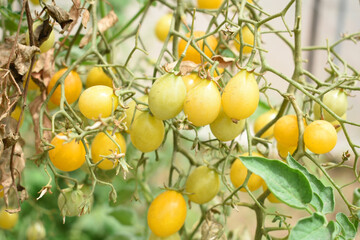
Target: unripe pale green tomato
[[98, 101], [175, 236], [264, 119], [47, 44], [70, 202], [102, 145], [166, 96], [97, 76], [36, 231], [241, 96], [203, 184], [8, 220], [147, 132], [320, 137], [202, 103], [225, 129], [131, 109], [162, 27], [336, 100]]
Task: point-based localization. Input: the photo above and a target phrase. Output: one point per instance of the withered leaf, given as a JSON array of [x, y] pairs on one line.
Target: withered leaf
[[60, 15], [85, 18], [212, 230], [224, 62], [44, 69], [74, 13], [24, 55], [104, 24], [186, 67], [42, 32]]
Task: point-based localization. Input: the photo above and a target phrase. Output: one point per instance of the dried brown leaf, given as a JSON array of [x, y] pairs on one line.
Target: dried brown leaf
[[212, 230], [60, 15], [186, 67], [74, 13], [85, 18], [42, 32], [224, 62], [44, 69], [104, 24]]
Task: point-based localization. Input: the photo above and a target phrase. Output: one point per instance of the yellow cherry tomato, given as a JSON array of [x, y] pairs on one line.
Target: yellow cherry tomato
[[98, 101], [286, 130], [192, 54], [131, 109], [202, 104], [8, 220], [283, 150], [16, 114], [72, 84], [97, 76], [241, 96], [264, 119], [203, 184], [336, 100], [167, 213], [102, 145], [191, 81], [320, 137], [166, 96], [66, 156], [47, 44], [238, 173], [175, 236], [162, 27], [147, 132], [247, 37], [209, 4], [225, 129]]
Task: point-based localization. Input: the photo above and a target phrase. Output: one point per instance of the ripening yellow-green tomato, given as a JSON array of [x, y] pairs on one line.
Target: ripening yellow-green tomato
[[166, 96], [102, 145], [225, 129], [238, 173], [336, 100], [132, 108], [203, 184], [320, 137], [97, 76], [47, 44], [283, 150], [7, 220], [264, 119], [147, 132], [162, 27], [175, 236], [202, 103], [241, 96], [247, 37], [191, 80], [97, 101], [286, 130], [209, 4], [36, 231]]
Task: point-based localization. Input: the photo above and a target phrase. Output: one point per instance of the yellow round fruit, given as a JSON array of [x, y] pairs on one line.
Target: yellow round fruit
[[286, 130], [238, 173], [16, 114], [209, 4], [102, 145], [241, 96], [320, 137], [97, 76], [7, 220], [162, 27], [175, 236], [283, 150], [192, 54], [191, 81], [47, 44], [247, 37], [130, 117], [264, 119]]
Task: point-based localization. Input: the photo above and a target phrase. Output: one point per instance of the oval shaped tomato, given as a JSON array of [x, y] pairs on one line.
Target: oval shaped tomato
[[191, 81], [225, 129], [97, 76], [320, 137], [167, 213], [264, 119], [66, 156], [286, 130], [132, 107], [202, 103], [209, 4], [70, 202], [72, 84], [8, 220], [203, 184], [192, 54], [247, 37], [98, 101], [241, 96], [166, 96], [336, 100], [238, 173], [147, 132], [47, 44], [36, 231], [102, 145], [162, 27]]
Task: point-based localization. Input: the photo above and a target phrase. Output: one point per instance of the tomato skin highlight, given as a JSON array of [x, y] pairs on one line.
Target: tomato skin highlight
[[191, 81], [167, 213], [67, 156], [225, 129], [203, 184], [102, 145], [166, 96], [241, 96], [147, 132], [202, 104], [320, 137]]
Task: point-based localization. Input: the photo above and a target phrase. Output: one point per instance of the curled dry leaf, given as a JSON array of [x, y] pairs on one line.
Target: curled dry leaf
[[224, 62], [42, 32], [44, 69], [186, 67], [211, 230], [104, 24], [75, 12], [85, 18], [60, 15]]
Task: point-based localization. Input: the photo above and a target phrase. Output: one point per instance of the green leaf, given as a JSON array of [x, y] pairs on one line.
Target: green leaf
[[334, 228], [125, 216], [316, 202], [311, 228], [347, 228], [287, 184], [326, 194]]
